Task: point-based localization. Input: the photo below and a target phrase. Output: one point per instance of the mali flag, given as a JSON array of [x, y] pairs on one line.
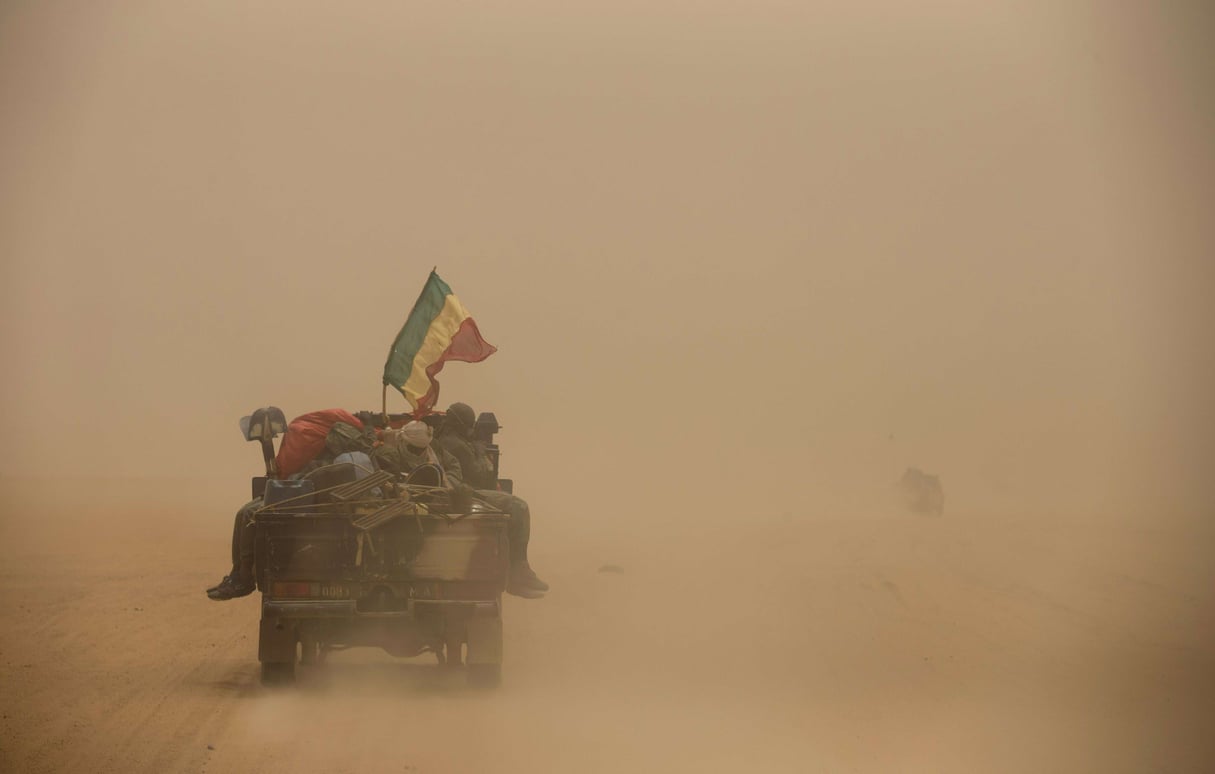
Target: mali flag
[[438, 329]]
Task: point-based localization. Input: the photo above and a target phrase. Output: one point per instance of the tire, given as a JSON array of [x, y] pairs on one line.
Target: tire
[[484, 677], [278, 673], [310, 651]]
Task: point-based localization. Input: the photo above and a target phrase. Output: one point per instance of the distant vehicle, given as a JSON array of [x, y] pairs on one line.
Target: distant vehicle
[[921, 492], [349, 557]]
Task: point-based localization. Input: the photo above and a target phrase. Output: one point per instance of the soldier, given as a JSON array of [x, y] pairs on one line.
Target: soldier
[[456, 437], [406, 449], [240, 583]]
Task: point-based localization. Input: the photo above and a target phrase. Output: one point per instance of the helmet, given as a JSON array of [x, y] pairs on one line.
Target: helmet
[[463, 414]]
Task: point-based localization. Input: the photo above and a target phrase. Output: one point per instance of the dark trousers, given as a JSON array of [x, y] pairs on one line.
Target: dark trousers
[[520, 529], [243, 540]]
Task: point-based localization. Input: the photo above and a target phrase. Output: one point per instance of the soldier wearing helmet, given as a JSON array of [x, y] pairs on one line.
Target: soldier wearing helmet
[[456, 437]]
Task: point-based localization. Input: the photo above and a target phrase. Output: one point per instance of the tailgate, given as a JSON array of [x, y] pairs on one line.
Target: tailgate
[[320, 548]]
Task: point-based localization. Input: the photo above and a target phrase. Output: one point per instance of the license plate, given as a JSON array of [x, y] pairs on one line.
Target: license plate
[[333, 591]]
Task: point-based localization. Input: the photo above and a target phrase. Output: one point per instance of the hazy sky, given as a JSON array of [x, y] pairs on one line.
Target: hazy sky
[[803, 244]]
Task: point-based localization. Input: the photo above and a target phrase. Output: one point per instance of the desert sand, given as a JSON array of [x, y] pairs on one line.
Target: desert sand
[[768, 643]]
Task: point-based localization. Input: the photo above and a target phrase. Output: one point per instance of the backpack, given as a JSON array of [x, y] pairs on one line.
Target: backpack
[[344, 437]]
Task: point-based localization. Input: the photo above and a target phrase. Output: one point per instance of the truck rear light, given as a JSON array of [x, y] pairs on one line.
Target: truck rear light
[[288, 590], [308, 589]]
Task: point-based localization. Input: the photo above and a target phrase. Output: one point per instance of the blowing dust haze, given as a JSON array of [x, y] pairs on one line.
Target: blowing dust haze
[[744, 264]]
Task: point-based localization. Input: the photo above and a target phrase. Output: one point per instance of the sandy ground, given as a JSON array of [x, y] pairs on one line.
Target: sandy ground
[[790, 642]]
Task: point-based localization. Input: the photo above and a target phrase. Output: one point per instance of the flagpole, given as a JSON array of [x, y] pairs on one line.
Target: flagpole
[[384, 395]]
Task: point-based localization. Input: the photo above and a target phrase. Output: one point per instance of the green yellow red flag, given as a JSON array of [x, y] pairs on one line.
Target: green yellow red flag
[[437, 330]]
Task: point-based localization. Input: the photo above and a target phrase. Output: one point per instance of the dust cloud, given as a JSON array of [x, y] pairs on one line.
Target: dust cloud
[[744, 265]]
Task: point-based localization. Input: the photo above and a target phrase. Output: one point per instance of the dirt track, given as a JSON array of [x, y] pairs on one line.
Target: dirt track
[[798, 644]]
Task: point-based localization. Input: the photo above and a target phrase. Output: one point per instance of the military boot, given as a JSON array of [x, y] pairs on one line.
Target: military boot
[[523, 581], [231, 587]]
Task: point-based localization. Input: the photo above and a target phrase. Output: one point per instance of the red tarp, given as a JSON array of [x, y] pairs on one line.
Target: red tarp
[[305, 438]]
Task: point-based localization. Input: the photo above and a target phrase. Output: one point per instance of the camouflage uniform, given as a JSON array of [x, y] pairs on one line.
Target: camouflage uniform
[[476, 469], [478, 472], [396, 456]]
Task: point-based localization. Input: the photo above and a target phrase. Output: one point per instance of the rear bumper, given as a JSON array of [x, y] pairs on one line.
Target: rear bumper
[[425, 625], [347, 608], [328, 608]]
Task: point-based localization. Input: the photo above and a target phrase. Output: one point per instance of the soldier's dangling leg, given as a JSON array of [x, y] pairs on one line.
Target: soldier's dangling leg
[[246, 545], [520, 528], [240, 582], [523, 580]]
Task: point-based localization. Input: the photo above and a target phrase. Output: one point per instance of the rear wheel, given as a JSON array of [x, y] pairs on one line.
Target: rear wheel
[[278, 672], [484, 677], [310, 649]]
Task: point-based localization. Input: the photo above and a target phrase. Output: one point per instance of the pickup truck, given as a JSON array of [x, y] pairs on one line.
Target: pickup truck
[[349, 557]]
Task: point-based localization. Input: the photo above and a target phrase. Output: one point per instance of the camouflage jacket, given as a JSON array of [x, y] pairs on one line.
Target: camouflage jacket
[[476, 468], [397, 458]]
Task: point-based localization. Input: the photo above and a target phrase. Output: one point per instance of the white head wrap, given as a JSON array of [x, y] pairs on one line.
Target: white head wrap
[[417, 433]]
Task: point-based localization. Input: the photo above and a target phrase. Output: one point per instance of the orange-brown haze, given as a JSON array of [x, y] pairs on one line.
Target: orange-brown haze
[[744, 264]]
